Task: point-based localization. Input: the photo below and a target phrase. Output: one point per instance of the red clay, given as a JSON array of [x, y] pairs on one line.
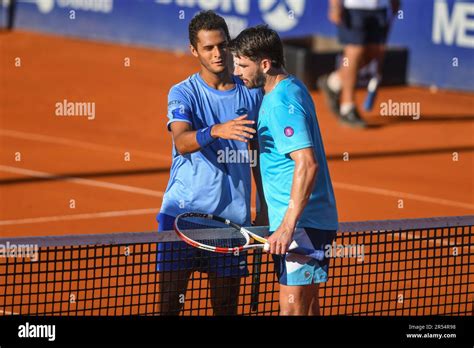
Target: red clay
[[131, 116]]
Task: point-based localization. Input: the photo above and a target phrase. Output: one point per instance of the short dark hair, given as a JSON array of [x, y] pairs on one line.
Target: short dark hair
[[206, 20], [258, 43]]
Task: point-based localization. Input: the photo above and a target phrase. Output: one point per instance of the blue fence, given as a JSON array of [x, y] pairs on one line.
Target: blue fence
[[439, 34]]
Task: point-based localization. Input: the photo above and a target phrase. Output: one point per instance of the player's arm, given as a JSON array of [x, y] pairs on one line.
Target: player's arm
[[304, 177], [395, 5], [186, 137], [335, 11], [291, 132], [187, 140], [262, 215]]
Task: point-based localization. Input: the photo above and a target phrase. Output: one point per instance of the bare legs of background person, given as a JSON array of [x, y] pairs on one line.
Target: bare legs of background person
[[344, 80]]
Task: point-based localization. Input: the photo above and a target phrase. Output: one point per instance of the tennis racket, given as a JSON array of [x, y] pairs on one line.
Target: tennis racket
[[372, 88], [216, 234]]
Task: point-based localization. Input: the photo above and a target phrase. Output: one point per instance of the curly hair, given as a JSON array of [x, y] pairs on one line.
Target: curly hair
[[206, 20]]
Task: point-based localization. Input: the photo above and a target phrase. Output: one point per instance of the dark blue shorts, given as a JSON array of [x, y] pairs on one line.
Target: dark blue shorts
[[292, 269], [174, 256], [362, 27]]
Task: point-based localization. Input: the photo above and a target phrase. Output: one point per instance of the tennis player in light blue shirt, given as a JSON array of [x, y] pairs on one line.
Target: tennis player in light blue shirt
[[212, 118], [295, 175], [203, 181]]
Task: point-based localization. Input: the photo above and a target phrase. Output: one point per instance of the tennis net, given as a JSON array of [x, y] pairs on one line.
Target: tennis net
[[393, 267]]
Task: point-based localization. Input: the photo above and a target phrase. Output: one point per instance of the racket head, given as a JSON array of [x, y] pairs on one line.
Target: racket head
[[210, 232]]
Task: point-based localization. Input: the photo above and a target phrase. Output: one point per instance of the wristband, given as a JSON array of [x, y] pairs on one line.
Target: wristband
[[203, 137]]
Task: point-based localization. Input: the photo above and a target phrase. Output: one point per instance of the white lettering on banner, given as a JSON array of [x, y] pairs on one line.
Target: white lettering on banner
[[240, 6], [453, 30], [281, 15], [105, 6], [235, 24], [45, 6]]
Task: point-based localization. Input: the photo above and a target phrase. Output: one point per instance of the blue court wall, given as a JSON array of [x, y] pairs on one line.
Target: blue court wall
[[439, 34]]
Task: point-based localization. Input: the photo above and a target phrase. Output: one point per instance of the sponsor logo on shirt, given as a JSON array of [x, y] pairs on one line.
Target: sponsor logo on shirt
[[241, 111], [289, 131]]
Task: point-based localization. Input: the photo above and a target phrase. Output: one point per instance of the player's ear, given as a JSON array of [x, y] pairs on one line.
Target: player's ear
[[265, 64], [193, 50]]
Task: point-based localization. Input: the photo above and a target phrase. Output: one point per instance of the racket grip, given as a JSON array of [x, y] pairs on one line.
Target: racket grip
[[295, 249], [372, 93]]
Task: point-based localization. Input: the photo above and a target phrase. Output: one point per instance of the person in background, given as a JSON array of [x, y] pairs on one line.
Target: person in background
[[363, 27]]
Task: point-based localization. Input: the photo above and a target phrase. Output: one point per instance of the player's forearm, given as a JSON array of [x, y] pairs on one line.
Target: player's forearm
[[334, 4], [395, 4], [304, 178], [186, 143]]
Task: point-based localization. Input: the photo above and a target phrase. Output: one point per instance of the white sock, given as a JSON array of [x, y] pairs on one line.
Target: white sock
[[346, 108], [334, 82]]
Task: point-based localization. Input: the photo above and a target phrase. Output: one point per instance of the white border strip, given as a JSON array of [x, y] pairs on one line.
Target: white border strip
[[80, 144], [81, 181], [85, 216], [398, 194]]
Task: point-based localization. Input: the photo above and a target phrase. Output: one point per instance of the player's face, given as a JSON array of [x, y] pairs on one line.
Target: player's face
[[249, 72], [212, 50]]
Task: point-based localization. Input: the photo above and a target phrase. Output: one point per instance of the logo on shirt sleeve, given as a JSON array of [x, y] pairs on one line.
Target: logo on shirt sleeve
[[289, 132], [174, 102]]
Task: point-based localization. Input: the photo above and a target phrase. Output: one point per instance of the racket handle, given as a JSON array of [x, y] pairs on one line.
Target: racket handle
[[372, 93], [293, 245]]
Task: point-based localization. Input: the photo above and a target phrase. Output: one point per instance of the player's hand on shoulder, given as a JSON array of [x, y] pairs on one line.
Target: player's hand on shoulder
[[236, 129]]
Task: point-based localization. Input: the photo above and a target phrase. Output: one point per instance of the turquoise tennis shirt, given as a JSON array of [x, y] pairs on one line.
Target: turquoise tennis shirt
[[286, 123]]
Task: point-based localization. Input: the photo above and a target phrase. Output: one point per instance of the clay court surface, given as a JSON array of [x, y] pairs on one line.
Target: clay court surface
[[64, 158]]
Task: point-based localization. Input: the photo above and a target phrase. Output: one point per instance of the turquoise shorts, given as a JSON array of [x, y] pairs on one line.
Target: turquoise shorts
[[292, 269]]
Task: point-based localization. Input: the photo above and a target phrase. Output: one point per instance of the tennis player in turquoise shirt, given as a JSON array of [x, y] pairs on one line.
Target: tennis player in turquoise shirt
[[295, 175]]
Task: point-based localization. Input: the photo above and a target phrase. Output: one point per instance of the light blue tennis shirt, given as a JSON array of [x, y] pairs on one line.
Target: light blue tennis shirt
[[286, 123], [215, 179]]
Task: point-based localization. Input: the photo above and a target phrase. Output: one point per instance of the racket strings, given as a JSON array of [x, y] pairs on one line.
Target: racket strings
[[210, 232]]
